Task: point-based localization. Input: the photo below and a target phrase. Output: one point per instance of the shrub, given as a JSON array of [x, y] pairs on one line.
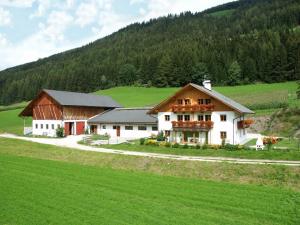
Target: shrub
[[223, 142], [185, 146], [160, 136], [176, 145], [142, 141], [231, 147], [197, 146], [162, 144], [151, 142], [59, 132], [215, 147], [168, 145], [205, 146]]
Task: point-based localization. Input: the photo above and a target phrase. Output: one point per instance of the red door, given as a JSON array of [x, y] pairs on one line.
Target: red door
[[79, 128], [118, 131], [67, 129]]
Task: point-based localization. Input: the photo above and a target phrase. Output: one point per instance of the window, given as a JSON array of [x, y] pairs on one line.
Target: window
[[154, 128], [47, 126], [187, 118], [200, 118], [52, 126], [128, 127], [167, 117], [200, 101], [187, 101], [207, 117], [58, 126], [179, 101], [114, 127], [223, 135], [36, 126], [179, 117], [167, 133], [223, 118], [142, 128], [42, 126], [207, 101], [103, 127]]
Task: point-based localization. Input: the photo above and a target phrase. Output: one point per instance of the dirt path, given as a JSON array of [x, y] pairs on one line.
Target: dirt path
[[71, 142]]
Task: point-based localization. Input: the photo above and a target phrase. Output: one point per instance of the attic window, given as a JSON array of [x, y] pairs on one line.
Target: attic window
[[187, 101], [207, 101], [179, 101]]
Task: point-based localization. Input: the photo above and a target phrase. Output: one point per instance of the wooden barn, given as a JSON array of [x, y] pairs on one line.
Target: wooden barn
[[53, 109]]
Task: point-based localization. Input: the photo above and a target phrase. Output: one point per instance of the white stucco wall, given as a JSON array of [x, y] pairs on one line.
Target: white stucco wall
[[51, 132], [135, 133], [214, 136], [44, 131]]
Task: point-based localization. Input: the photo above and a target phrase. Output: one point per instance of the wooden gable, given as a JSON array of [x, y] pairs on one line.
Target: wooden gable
[[193, 94], [44, 107]]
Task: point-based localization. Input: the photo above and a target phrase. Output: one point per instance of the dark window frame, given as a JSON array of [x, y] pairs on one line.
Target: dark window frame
[[179, 117], [223, 135], [154, 128], [128, 127], [167, 117], [187, 118], [223, 118], [141, 126]]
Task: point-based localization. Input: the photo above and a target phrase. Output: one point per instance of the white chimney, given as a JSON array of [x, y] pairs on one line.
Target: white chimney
[[207, 84]]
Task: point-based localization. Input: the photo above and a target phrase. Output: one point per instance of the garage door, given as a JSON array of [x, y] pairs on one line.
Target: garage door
[[79, 128]]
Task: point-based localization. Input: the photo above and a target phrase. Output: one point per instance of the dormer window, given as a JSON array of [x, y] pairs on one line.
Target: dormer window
[[207, 101], [201, 101], [179, 101], [187, 101]]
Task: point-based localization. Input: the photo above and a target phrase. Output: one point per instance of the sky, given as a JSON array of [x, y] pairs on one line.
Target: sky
[[34, 29]]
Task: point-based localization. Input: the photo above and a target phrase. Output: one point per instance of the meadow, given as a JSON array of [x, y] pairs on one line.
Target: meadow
[[43, 184]]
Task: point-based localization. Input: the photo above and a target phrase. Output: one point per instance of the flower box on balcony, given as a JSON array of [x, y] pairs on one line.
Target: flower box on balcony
[[245, 123], [193, 124], [193, 108]]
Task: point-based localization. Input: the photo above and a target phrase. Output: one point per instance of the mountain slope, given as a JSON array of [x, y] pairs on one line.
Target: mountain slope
[[236, 43]]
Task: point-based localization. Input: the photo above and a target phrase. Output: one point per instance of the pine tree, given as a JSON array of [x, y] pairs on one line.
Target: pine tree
[[164, 71], [200, 73], [234, 74]]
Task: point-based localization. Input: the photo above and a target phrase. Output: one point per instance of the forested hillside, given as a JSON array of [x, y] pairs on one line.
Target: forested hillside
[[237, 43]]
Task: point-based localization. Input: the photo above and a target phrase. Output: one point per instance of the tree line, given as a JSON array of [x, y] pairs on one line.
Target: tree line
[[237, 43]]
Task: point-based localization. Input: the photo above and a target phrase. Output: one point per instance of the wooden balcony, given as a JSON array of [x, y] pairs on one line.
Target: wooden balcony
[[192, 108], [245, 123], [192, 125]]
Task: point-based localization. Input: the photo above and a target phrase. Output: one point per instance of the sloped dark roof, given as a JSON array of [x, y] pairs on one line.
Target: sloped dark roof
[[224, 99], [67, 98], [125, 116], [227, 101]]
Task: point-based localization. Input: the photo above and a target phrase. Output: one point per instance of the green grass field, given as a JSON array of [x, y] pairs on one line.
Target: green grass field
[[11, 123], [246, 94], [42, 184]]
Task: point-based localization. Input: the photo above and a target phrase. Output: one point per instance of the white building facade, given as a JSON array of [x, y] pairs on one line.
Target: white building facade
[[198, 115]]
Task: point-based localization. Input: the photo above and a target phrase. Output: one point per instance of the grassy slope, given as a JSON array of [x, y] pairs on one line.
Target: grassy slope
[[40, 191], [11, 123], [246, 94]]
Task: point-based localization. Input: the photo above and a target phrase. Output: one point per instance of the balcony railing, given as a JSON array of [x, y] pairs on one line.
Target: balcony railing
[[193, 124], [245, 123], [193, 108]]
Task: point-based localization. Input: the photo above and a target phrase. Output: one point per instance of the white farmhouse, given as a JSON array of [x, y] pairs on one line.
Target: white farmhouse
[[197, 114]]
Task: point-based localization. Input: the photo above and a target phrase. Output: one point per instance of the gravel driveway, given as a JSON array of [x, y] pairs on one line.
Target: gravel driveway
[[71, 142]]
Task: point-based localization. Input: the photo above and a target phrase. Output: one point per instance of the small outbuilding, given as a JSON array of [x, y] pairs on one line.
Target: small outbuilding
[[125, 122]]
